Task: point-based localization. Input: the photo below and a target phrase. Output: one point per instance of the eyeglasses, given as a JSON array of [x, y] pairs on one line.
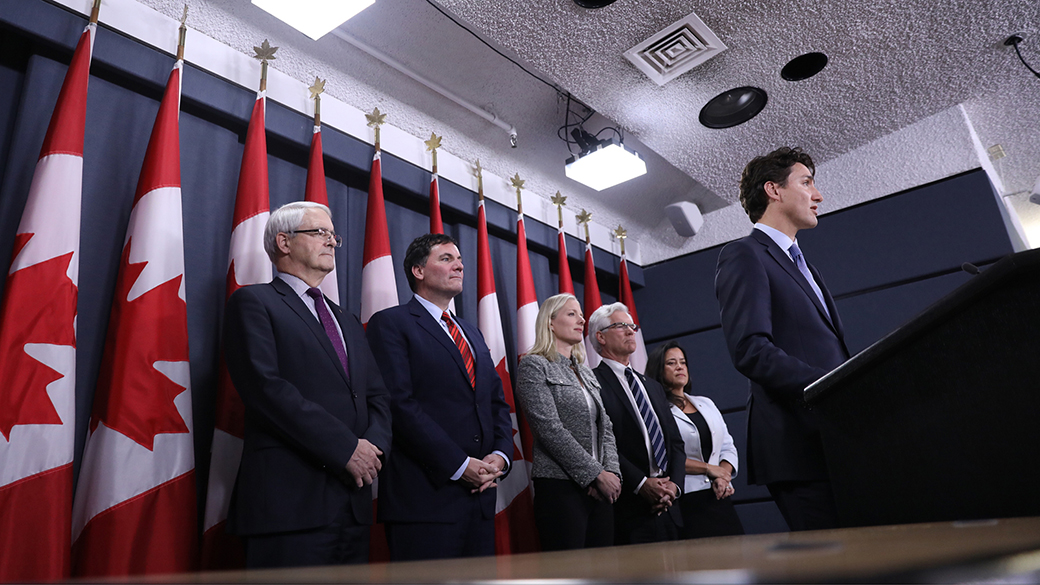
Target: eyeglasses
[[632, 326], [328, 236]]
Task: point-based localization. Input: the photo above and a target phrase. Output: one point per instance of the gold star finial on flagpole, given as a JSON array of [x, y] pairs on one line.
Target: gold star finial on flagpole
[[583, 218], [264, 53], [182, 32], [432, 145], [559, 201], [316, 90], [375, 120], [621, 233]]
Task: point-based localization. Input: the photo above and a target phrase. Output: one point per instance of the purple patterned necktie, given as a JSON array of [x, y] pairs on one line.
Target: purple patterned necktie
[[330, 326]]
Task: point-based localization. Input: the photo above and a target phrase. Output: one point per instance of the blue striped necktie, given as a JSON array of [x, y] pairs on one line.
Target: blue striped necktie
[[653, 428]]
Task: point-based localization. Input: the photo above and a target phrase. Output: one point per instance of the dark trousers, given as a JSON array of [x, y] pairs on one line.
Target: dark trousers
[[635, 522], [704, 516], [568, 518], [805, 505], [343, 542], [471, 535]]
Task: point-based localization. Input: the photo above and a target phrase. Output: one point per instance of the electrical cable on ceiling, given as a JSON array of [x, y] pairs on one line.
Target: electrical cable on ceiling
[[562, 132], [1014, 41]]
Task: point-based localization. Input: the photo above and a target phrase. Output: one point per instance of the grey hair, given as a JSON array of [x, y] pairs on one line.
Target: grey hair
[[600, 318], [285, 219]]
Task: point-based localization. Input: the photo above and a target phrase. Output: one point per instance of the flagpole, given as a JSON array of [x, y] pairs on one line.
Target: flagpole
[[264, 53], [94, 10], [182, 34]]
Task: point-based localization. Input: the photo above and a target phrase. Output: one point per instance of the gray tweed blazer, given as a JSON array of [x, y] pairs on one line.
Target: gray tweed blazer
[[554, 403]]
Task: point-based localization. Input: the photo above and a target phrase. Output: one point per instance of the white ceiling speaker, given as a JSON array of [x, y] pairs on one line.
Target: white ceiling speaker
[[686, 218]]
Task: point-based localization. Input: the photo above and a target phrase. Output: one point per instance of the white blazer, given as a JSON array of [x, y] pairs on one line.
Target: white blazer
[[721, 441]]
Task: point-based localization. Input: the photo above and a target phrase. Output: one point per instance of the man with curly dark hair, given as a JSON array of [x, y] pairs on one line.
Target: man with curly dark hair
[[783, 333]]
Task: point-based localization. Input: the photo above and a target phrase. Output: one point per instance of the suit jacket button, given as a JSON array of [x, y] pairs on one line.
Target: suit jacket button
[[476, 439]]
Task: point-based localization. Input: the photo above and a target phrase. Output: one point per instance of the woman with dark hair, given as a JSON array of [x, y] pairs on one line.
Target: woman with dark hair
[[711, 457], [576, 471]]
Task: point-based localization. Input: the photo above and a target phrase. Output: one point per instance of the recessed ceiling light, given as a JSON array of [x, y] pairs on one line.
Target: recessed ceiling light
[[804, 66], [314, 18], [733, 107]]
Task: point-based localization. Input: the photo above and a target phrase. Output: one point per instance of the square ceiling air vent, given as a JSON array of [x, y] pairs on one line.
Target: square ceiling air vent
[[675, 50]]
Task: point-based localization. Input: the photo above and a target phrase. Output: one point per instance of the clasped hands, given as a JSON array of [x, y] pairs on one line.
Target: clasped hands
[[606, 487], [660, 492], [364, 463], [482, 473], [720, 481]]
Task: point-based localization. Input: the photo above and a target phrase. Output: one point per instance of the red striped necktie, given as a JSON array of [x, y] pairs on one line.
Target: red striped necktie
[[460, 342]]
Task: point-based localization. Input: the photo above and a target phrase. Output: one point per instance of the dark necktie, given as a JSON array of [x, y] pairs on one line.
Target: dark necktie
[[330, 326], [460, 342], [799, 261], [653, 428]]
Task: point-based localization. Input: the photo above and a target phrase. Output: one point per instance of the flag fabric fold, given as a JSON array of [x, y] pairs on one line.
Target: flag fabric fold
[[38, 347], [514, 513], [566, 283], [134, 511], [317, 192], [592, 302], [247, 264], [639, 358]]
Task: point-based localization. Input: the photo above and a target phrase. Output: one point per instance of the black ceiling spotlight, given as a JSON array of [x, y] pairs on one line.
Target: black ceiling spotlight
[[733, 107], [593, 3], [1013, 41], [804, 66]]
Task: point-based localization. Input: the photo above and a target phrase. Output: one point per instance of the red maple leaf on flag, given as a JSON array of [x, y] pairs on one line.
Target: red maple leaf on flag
[[39, 307], [133, 397]]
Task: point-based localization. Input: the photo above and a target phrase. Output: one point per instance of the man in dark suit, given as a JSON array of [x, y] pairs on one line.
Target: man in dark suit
[[452, 432], [650, 448], [317, 414], [783, 333]]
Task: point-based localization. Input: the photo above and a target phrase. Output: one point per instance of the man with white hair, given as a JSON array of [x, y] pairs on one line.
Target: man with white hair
[[317, 414], [650, 448]]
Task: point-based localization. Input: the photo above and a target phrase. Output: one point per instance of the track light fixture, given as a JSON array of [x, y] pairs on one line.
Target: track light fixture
[[599, 163]]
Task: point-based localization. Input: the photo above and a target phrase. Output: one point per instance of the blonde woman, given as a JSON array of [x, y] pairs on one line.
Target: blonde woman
[[576, 472]]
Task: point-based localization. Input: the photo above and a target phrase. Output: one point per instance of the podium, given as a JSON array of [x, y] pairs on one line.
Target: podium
[[940, 419]]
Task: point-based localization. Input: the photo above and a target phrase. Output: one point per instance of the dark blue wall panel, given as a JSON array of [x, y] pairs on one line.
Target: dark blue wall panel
[[679, 296], [929, 229], [869, 317]]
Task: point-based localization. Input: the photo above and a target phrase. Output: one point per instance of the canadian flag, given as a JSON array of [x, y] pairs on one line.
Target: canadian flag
[[38, 347], [526, 298], [526, 315], [592, 302], [378, 292], [248, 264], [134, 511], [638, 359], [436, 225], [566, 284], [378, 285], [317, 192], [514, 513]]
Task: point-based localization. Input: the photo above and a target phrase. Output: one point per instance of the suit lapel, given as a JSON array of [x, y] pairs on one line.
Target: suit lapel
[[427, 322], [296, 304], [621, 393], [785, 262]]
